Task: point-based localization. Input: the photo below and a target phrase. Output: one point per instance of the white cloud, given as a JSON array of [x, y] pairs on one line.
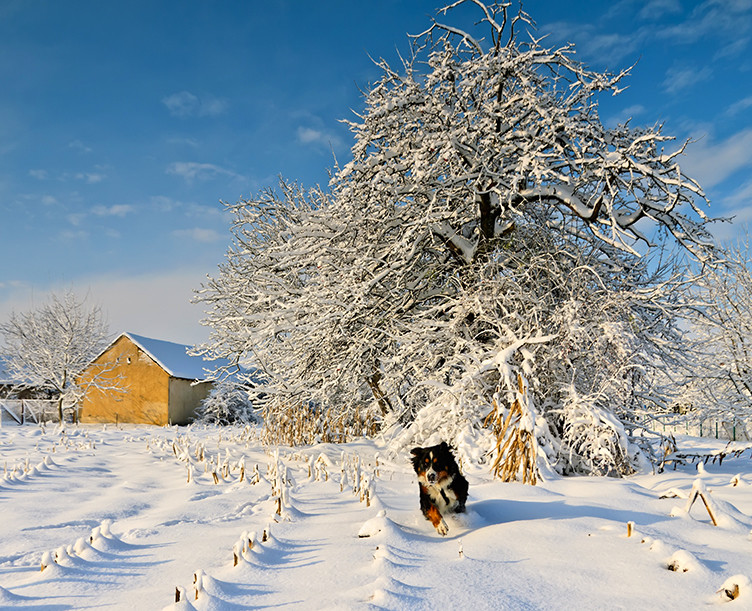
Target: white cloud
[[613, 46], [727, 23], [710, 163], [206, 215], [684, 78], [186, 104], [737, 207], [741, 199], [603, 47], [164, 203], [318, 137], [77, 145], [14, 285], [740, 222], [307, 135], [714, 18], [733, 49], [90, 177], [213, 107], [190, 170], [39, 174], [74, 236], [654, 9], [183, 104], [76, 218], [49, 200], [116, 210], [199, 234], [740, 106], [191, 142], [630, 112]]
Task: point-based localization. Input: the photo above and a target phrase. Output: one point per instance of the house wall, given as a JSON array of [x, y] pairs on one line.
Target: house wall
[[148, 388], [185, 398]]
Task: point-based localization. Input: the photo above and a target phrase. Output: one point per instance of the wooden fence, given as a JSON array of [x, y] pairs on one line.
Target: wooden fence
[[23, 411]]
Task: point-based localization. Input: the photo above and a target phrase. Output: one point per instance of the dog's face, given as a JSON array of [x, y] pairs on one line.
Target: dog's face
[[434, 465]]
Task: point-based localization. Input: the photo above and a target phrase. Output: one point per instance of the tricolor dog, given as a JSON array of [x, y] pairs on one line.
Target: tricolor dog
[[443, 489]]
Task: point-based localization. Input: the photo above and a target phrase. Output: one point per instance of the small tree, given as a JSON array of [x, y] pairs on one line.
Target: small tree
[[227, 403], [51, 345], [721, 383]]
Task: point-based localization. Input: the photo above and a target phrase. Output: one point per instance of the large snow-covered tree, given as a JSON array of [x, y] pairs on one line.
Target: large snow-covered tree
[[49, 346], [489, 226]]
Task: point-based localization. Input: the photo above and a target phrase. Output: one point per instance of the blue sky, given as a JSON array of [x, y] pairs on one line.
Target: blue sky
[[123, 124]]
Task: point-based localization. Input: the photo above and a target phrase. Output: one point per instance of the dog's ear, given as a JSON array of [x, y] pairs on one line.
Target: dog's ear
[[416, 451], [444, 446]]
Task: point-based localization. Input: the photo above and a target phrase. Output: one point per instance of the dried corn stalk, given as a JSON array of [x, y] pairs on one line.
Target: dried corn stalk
[[297, 425], [516, 447], [698, 490]]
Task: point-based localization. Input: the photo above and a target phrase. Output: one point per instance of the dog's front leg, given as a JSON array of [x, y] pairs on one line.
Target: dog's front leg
[[435, 517]]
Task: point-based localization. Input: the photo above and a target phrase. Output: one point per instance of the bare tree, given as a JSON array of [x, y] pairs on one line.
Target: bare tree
[[51, 345]]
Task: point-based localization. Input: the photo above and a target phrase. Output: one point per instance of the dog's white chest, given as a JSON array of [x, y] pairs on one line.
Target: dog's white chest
[[443, 496]]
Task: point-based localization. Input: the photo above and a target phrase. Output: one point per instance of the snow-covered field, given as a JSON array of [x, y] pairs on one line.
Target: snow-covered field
[[115, 508]]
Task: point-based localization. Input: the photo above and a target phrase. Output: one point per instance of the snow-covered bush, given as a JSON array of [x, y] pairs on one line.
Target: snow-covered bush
[[487, 226], [593, 440], [227, 403]]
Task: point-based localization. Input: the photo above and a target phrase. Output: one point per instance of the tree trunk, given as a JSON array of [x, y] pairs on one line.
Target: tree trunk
[[378, 394], [487, 217]]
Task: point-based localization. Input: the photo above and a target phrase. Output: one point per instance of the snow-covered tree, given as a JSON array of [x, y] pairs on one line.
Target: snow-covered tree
[[50, 346], [227, 403], [488, 225], [721, 385]]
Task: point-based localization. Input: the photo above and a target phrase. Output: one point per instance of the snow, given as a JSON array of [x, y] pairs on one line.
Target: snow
[[174, 358], [112, 515]]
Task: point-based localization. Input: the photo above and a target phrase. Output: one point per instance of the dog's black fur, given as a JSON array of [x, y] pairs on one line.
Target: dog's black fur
[[443, 489]]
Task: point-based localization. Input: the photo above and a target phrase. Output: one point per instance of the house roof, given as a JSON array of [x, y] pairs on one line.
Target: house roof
[[174, 358]]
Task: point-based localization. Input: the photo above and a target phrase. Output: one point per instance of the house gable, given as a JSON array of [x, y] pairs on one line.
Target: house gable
[[146, 400]]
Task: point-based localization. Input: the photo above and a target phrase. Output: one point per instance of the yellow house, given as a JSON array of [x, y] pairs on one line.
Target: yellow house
[[163, 383]]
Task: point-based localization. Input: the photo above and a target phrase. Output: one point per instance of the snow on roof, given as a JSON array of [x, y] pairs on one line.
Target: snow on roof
[[174, 358]]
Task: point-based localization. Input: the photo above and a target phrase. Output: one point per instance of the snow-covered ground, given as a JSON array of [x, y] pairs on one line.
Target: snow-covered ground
[[115, 508]]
